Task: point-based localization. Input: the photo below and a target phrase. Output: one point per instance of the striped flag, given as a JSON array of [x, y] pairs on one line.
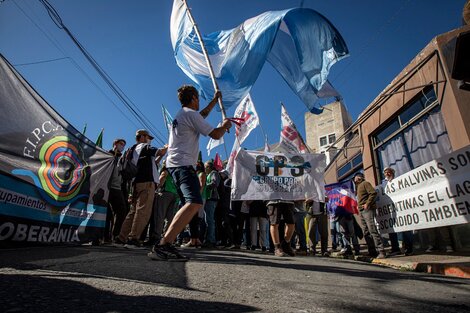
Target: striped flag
[[300, 43]]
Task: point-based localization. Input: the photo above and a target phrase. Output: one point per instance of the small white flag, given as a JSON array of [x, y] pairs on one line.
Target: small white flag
[[214, 142]]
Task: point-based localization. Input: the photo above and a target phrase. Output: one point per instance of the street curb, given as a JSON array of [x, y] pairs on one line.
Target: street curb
[[457, 269], [450, 269]]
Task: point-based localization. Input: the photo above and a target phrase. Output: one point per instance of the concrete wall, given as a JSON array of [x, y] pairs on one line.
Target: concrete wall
[[334, 119]]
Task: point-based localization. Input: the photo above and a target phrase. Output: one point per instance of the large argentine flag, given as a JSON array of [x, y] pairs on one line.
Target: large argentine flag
[[300, 43]]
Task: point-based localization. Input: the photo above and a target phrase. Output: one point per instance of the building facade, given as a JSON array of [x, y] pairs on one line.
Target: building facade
[[420, 116], [323, 129]]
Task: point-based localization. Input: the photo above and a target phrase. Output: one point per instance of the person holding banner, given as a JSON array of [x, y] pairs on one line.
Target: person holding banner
[[366, 196], [317, 218], [276, 209], [389, 174], [182, 156]]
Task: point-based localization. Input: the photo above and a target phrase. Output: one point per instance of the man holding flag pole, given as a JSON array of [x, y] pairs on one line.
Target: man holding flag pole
[[182, 156], [183, 150], [236, 55]]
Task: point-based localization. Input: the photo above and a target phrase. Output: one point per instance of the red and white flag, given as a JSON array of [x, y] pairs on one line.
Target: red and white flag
[[291, 140], [245, 120]]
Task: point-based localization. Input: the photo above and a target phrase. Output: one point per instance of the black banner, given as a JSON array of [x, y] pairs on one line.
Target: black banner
[[53, 180]]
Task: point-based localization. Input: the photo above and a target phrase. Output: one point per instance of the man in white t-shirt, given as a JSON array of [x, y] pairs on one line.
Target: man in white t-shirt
[[183, 150]]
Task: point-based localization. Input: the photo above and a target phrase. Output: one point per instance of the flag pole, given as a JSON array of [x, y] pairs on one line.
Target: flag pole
[[206, 56], [225, 148]]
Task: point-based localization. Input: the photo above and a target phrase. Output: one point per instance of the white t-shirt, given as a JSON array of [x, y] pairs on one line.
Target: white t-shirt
[[183, 146]]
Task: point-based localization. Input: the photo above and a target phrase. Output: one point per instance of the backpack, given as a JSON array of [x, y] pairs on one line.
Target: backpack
[[128, 169]]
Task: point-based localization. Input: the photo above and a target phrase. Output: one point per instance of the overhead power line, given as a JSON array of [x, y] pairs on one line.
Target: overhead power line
[[40, 62], [134, 110], [74, 63]]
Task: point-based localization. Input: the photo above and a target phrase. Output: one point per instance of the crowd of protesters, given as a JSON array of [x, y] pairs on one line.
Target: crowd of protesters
[[169, 204]]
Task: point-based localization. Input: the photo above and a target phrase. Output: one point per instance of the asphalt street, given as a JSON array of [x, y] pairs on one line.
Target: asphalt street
[[109, 279]]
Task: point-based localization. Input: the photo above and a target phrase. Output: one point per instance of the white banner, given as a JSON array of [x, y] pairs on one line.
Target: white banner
[[435, 194], [270, 176]]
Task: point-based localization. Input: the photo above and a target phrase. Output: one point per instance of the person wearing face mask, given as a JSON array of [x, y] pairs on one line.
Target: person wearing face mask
[[117, 201], [146, 158]]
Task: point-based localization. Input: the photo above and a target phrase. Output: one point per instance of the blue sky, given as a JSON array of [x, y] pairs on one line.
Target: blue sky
[[131, 41]]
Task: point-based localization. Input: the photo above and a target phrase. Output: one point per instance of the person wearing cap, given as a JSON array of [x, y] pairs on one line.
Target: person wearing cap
[[183, 149], [366, 196], [146, 158]]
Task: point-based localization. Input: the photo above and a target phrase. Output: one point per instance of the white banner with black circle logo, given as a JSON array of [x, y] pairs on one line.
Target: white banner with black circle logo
[[270, 176]]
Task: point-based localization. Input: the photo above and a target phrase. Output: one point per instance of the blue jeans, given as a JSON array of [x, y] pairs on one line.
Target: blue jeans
[[187, 184], [209, 208], [347, 231], [336, 236]]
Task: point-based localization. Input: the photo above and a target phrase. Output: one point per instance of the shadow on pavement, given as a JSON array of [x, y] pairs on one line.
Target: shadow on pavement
[[32, 293], [98, 261], [334, 266]]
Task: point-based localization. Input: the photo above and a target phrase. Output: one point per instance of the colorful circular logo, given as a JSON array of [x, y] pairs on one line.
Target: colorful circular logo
[[62, 170]]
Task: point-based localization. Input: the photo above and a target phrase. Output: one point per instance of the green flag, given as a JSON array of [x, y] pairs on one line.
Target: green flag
[[84, 130], [99, 141]]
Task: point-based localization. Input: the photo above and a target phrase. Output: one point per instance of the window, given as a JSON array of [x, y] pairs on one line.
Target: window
[[387, 131], [348, 169], [331, 138], [343, 170], [357, 160], [415, 136], [417, 106], [323, 141]]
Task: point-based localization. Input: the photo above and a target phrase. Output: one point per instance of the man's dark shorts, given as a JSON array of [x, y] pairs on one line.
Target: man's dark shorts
[[187, 184], [276, 210]]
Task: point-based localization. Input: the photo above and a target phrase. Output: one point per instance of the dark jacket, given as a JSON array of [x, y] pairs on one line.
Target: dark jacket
[[366, 194], [144, 165]]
